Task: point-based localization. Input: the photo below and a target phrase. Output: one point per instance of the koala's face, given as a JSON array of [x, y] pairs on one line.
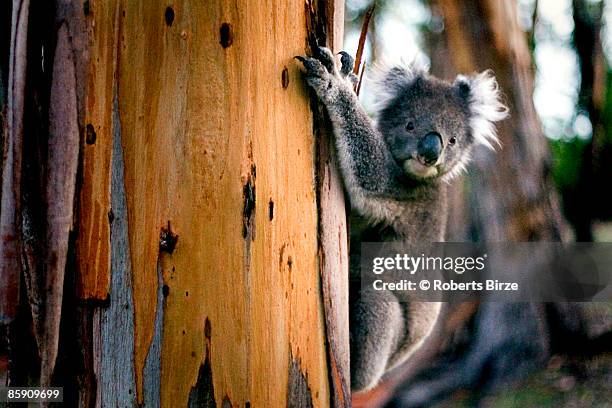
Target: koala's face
[[427, 128], [431, 125]]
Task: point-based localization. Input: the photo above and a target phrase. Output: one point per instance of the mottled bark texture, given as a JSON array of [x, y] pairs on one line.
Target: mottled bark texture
[[171, 204]]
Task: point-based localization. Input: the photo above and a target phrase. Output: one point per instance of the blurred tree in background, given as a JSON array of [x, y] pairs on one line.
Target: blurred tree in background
[[578, 159], [553, 165]]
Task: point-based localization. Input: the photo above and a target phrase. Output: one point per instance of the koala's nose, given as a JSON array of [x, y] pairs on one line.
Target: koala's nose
[[429, 148]]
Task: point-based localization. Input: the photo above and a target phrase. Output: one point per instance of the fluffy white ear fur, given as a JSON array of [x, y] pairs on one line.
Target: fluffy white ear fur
[[386, 78], [485, 105]]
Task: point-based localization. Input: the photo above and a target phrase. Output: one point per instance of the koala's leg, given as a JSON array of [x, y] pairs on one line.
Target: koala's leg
[[377, 329], [421, 317], [365, 161]]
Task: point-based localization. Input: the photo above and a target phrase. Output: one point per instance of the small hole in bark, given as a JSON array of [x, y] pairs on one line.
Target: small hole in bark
[[165, 290], [169, 16], [90, 134], [225, 35], [86, 9], [285, 78], [167, 240], [111, 216], [186, 294], [271, 210]]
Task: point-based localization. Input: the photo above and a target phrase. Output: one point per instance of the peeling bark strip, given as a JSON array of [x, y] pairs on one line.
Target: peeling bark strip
[[94, 31], [151, 387], [298, 395], [63, 153], [116, 378], [328, 25], [11, 171]]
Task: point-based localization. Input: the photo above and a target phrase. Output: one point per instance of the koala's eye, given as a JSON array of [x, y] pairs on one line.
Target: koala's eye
[[410, 126], [452, 140]]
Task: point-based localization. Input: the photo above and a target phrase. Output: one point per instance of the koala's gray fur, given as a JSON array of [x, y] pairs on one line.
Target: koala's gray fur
[[397, 186]]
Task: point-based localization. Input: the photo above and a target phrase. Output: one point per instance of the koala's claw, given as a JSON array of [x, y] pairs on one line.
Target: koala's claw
[[326, 57], [322, 73], [313, 66], [348, 63]]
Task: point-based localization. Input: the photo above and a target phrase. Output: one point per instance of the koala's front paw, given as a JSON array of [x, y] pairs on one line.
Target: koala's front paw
[[323, 75]]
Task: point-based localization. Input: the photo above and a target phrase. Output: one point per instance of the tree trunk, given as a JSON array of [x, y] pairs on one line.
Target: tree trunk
[[591, 101], [206, 263]]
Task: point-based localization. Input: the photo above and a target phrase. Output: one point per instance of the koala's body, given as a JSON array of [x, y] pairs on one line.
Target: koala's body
[[396, 173]]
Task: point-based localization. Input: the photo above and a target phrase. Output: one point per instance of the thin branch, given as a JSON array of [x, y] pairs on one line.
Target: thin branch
[[360, 68], [362, 37], [360, 79]]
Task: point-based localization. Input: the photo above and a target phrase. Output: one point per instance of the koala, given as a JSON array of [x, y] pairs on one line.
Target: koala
[[396, 172]]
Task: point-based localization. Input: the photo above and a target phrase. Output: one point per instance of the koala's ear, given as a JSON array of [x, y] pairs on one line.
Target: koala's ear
[[483, 96], [388, 81], [397, 77]]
